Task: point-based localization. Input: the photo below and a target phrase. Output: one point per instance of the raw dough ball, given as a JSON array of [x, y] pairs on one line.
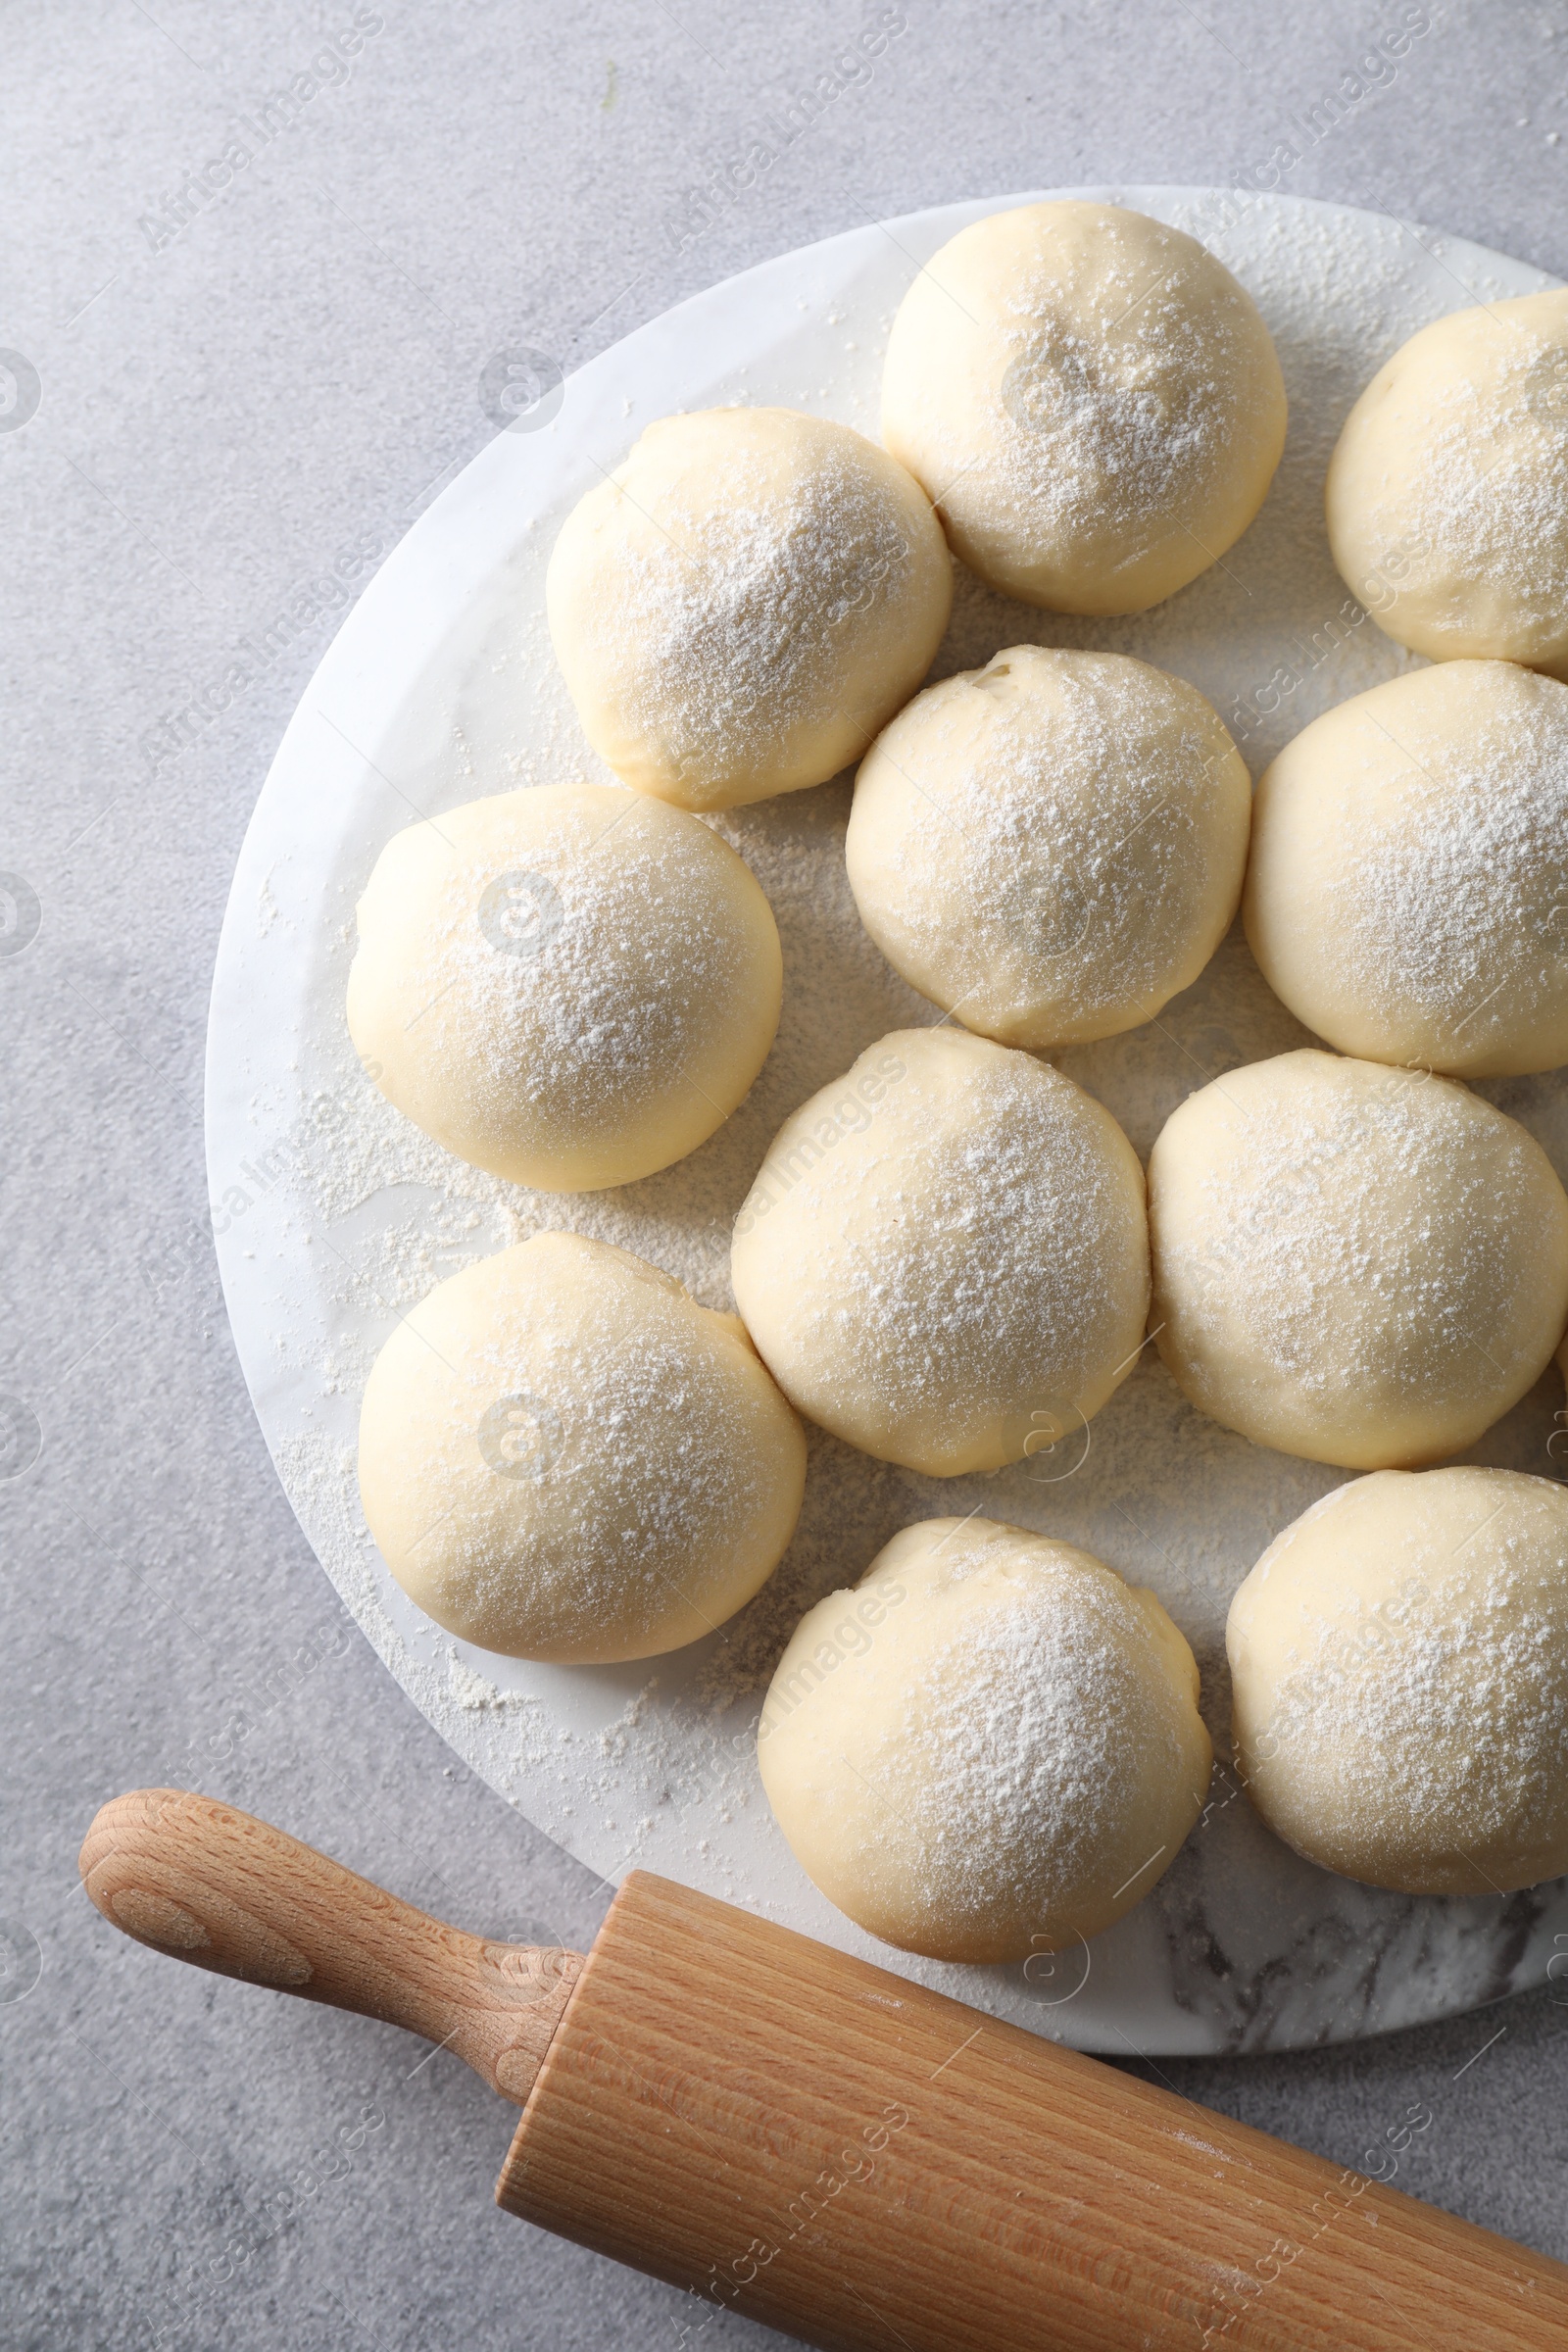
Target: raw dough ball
[[944, 1257], [1356, 1264], [1090, 398], [562, 1455], [1448, 493], [1408, 890], [570, 987], [743, 602], [1051, 846], [1400, 1670], [991, 1747]]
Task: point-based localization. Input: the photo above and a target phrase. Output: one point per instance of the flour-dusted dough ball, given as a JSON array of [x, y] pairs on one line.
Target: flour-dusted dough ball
[[1407, 896], [562, 1455], [1448, 493], [570, 987], [944, 1257], [1356, 1264], [1090, 399], [991, 1747], [743, 602], [1051, 846], [1399, 1677]]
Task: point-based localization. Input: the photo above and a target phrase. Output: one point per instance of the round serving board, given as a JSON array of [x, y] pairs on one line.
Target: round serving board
[[333, 1215]]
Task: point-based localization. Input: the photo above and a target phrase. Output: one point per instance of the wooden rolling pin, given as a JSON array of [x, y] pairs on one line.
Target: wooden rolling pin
[[781, 2129]]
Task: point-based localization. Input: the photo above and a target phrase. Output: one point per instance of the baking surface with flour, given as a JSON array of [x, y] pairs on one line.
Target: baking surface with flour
[[335, 1215]]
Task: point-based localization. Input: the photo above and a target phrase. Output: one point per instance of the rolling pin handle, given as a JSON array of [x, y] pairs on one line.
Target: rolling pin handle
[[207, 1883]]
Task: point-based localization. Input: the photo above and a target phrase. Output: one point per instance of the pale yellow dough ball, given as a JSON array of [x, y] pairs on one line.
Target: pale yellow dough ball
[[1352, 1263], [1447, 492], [945, 1259], [562, 1455], [1407, 895], [1090, 399], [571, 986], [1399, 1677], [745, 601], [1051, 846], [990, 1747]]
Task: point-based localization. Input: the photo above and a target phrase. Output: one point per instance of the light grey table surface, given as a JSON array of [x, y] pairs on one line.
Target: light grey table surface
[[228, 403]]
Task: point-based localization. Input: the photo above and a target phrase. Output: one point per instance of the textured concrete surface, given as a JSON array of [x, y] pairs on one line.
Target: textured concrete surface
[[242, 382]]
